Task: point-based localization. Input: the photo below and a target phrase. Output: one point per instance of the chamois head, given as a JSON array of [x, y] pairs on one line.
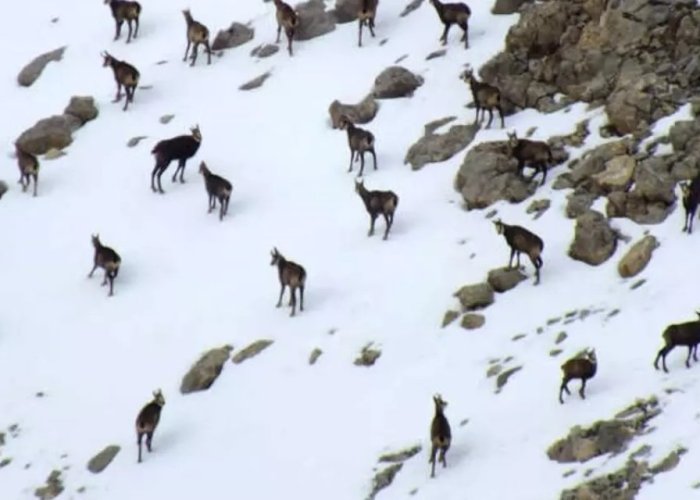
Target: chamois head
[[158, 397], [96, 240], [499, 226], [276, 256], [106, 58], [513, 138], [359, 185], [440, 403], [685, 188], [343, 122], [203, 168], [590, 356], [467, 75], [196, 133]]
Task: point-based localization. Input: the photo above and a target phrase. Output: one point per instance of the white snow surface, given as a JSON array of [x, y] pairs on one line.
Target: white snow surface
[[275, 427]]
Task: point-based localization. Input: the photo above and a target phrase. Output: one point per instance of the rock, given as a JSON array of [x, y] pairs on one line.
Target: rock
[[346, 10], [99, 462], [52, 488], [471, 321], [265, 50], [3, 190], [449, 317], [637, 257], [595, 162], [252, 350], [236, 34], [134, 141], [383, 479], [255, 82], [434, 148], [315, 354], [83, 108], [33, 70], [623, 484], [165, 119], [504, 377], [53, 132], [314, 20], [436, 54], [538, 207], [594, 240], [394, 82], [618, 174], [368, 356], [402, 455], [578, 203], [412, 5], [504, 279], [474, 297], [206, 370], [360, 113], [507, 6]]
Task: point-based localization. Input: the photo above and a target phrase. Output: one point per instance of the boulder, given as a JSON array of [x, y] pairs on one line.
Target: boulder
[[617, 176], [314, 20], [434, 148], [368, 356], [99, 462], [578, 203], [256, 82], [345, 11], [52, 488], [33, 70], [505, 278], [394, 82], [265, 50], [474, 297], [594, 240], [471, 321], [235, 35], [53, 132], [83, 108], [410, 7], [507, 6], [206, 370], [362, 112], [251, 350], [637, 257]]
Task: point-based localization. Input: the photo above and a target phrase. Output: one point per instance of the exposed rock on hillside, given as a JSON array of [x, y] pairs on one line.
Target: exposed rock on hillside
[[314, 20], [362, 112], [255, 82], [637, 257], [235, 35], [53, 132], [434, 148], [83, 108], [594, 240], [99, 462], [206, 370], [471, 321], [504, 279], [52, 488], [346, 10], [474, 297], [251, 350], [396, 81], [31, 72]]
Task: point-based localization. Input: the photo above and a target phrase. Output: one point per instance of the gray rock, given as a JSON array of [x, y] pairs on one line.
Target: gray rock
[[394, 82], [99, 462], [206, 370], [474, 297], [165, 119], [315, 354], [255, 82], [383, 479], [637, 257], [449, 317], [265, 50], [401, 455], [471, 321], [314, 20], [252, 350], [538, 207], [410, 7], [3, 190], [33, 70], [436, 54], [503, 377], [507, 6], [504, 278], [52, 488], [368, 356], [53, 132], [134, 141], [346, 10], [83, 108], [360, 113], [235, 35], [594, 240], [434, 148]]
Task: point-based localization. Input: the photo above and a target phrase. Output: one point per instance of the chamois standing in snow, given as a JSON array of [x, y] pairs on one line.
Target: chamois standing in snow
[[28, 168], [365, 16], [107, 259], [218, 188], [520, 240], [486, 97], [453, 13], [440, 434], [360, 142], [691, 198], [125, 75], [197, 34], [147, 420], [292, 275], [125, 11], [535, 154], [679, 334], [583, 368], [288, 19], [378, 202], [180, 148]]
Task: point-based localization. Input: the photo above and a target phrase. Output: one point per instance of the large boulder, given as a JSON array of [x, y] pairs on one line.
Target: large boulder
[[54, 132], [434, 148], [637, 257], [206, 370], [594, 240], [396, 81], [362, 112], [235, 35], [314, 20], [83, 108], [33, 70], [473, 297]]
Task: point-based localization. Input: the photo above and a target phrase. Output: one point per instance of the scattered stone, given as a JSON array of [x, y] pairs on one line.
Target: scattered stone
[[235, 35], [32, 71], [264, 50], [83, 108], [165, 119], [52, 488], [637, 284], [561, 337], [436, 54], [314, 20], [412, 5], [578, 203], [637, 257], [134, 141], [394, 82], [474, 297], [555, 352], [472, 321], [449, 317], [360, 113], [594, 240], [553, 321], [206, 370], [368, 356], [493, 370], [315, 354], [517, 337], [538, 207], [252, 350], [402, 455], [255, 82], [5, 462], [435, 148], [383, 479], [669, 462], [54, 153], [99, 462], [503, 378]]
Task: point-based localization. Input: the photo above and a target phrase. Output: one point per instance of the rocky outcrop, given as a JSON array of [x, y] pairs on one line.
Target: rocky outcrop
[[637, 257], [594, 240], [362, 112], [32, 71], [101, 461], [394, 82], [206, 370], [314, 20], [53, 132], [235, 35], [434, 148], [83, 108], [473, 297]]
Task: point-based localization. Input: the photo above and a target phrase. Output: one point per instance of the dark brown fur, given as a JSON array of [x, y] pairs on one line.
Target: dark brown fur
[[440, 434], [360, 142], [125, 75], [365, 17], [378, 202], [125, 11], [107, 259], [578, 368], [486, 97], [288, 19], [290, 274], [147, 420], [180, 148], [217, 188], [197, 34], [520, 240], [535, 154], [28, 169], [691, 198], [680, 334], [453, 13]]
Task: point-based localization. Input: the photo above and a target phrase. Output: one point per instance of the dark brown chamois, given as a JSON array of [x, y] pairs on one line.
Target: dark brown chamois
[[360, 142], [365, 16], [288, 19], [218, 188], [486, 97], [520, 240], [125, 75], [125, 11], [28, 168], [147, 420], [535, 154], [453, 13], [687, 334], [180, 148], [197, 34], [378, 202], [583, 368], [107, 259], [291, 274], [691, 198], [440, 434]]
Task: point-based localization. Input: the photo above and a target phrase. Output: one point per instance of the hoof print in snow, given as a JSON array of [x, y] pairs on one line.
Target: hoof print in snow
[[251, 351], [235, 35], [315, 354], [206, 370], [314, 20], [266, 50], [637, 257], [395, 82], [134, 141], [165, 119], [368, 356], [435, 148], [471, 321], [503, 279], [383, 479], [52, 488], [449, 317], [99, 462], [360, 113], [504, 377], [436, 54], [594, 239], [31, 72], [473, 297], [255, 82], [3, 188], [401, 455]]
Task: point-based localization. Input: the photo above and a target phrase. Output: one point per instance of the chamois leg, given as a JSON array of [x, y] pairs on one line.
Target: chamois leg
[[563, 389], [433, 453], [104, 280], [687, 359], [352, 156], [443, 460], [510, 261], [93, 270], [110, 275], [290, 36], [119, 92], [139, 435], [187, 49], [370, 25], [136, 30], [444, 33], [465, 37], [373, 218], [500, 112], [208, 47], [195, 49], [221, 209], [488, 125], [361, 154], [129, 93], [128, 24], [537, 263], [388, 222], [359, 34], [279, 302], [279, 32], [160, 186], [22, 181], [582, 390], [118, 29], [149, 439], [476, 117], [374, 157], [36, 182], [182, 171], [210, 203], [301, 297], [695, 352], [662, 354], [517, 257]]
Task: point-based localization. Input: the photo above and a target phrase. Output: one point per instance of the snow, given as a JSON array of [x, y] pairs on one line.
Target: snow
[[275, 427]]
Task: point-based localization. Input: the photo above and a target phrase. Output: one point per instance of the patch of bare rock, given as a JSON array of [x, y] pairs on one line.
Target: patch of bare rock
[[434, 148], [32, 71], [206, 370], [251, 350], [233, 36], [395, 82]]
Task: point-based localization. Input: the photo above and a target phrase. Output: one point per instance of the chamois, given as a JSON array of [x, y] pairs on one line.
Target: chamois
[[691, 198], [288, 19], [582, 368], [440, 434], [536, 154], [125, 11], [291, 274], [147, 420], [453, 13], [197, 34], [360, 142], [28, 168], [124, 74], [107, 259], [217, 188], [486, 97], [180, 148], [687, 334], [378, 202], [365, 16], [519, 240]]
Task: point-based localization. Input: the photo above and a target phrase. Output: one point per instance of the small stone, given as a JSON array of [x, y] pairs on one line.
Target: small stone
[[504, 278], [637, 284], [472, 321], [315, 354], [436, 54], [519, 336], [402, 455], [555, 352], [538, 207], [165, 119], [255, 82], [493, 371], [476, 296], [560, 338], [265, 50], [135, 140], [368, 356], [5, 462], [251, 351], [637, 257], [449, 317], [503, 378]]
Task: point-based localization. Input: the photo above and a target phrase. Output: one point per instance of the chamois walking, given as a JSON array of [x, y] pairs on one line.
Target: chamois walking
[[679, 334], [535, 154], [360, 142], [197, 34], [691, 198], [180, 148], [520, 240], [378, 202], [125, 11], [288, 19], [107, 259], [28, 168], [440, 434], [147, 420], [125, 75], [486, 97], [453, 13], [218, 188], [291, 274], [583, 368], [365, 16]]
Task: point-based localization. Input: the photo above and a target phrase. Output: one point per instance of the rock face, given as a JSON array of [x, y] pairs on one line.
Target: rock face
[[83, 108], [99, 462], [637, 257], [474, 297], [33, 70], [235, 35], [206, 370], [504, 279], [434, 148], [53, 132], [314, 20], [362, 112], [396, 81], [594, 240]]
